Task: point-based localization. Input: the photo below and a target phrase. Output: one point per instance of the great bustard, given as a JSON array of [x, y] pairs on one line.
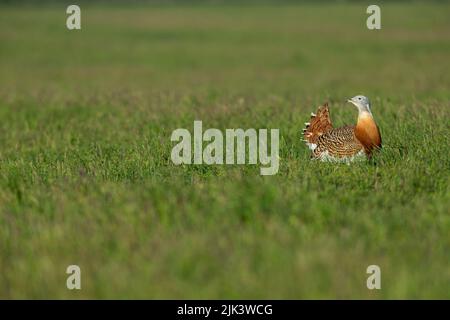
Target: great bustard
[[345, 143]]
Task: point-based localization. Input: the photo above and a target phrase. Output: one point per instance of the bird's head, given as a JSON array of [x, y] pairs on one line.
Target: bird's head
[[361, 102]]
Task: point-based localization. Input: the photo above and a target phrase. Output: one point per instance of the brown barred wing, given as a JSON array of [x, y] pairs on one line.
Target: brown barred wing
[[338, 142]]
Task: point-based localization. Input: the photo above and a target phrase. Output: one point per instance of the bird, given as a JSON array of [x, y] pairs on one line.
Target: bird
[[343, 144]]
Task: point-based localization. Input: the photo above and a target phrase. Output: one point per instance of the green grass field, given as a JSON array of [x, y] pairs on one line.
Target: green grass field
[[86, 176]]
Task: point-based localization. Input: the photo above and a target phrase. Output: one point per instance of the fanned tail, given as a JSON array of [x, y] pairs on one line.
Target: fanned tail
[[317, 126]]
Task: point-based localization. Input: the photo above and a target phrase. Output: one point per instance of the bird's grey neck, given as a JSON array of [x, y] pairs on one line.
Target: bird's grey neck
[[362, 110]]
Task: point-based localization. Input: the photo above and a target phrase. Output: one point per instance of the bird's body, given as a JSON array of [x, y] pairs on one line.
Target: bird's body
[[346, 143]]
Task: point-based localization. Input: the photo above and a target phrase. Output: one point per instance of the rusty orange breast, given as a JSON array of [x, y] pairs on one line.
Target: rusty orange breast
[[367, 133]]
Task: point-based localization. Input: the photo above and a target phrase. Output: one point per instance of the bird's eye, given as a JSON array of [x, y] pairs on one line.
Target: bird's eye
[[359, 98]]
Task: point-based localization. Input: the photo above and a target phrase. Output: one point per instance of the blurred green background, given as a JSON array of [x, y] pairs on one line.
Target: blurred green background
[[85, 171]]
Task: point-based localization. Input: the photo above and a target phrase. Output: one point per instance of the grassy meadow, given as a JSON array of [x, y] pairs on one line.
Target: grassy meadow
[[86, 176]]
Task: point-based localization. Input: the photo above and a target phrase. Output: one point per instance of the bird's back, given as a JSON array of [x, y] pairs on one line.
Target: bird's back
[[328, 143], [338, 143]]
